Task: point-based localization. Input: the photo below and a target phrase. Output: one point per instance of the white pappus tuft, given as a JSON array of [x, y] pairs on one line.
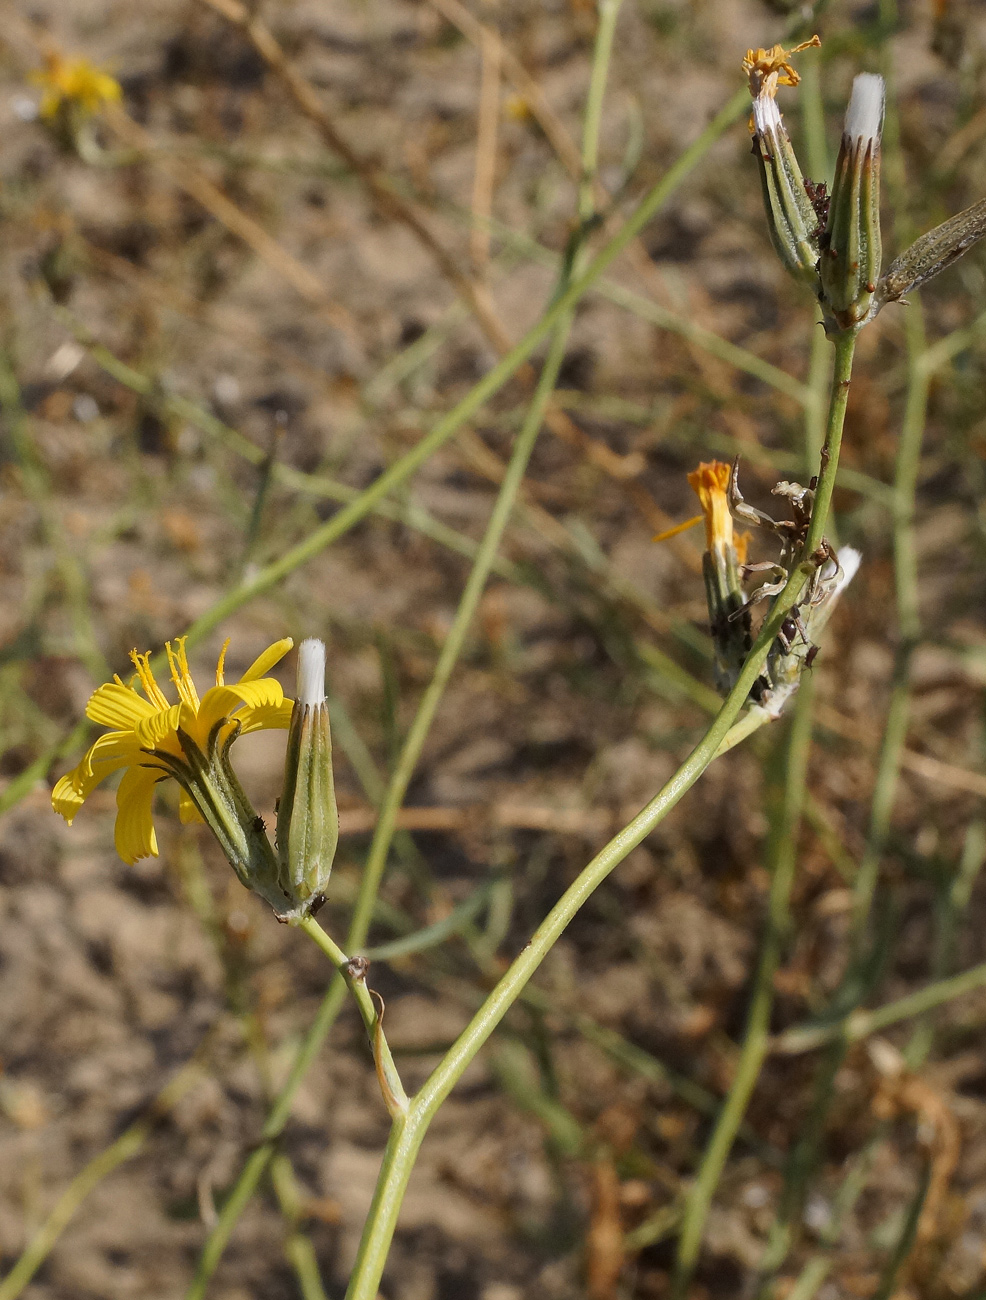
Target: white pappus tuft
[[864, 116], [311, 672], [849, 562], [766, 115]]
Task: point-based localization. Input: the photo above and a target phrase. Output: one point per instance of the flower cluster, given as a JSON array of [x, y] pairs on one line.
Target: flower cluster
[[151, 739], [833, 243], [726, 573]]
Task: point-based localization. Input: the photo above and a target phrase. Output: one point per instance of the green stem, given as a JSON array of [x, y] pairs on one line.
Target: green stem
[[805, 1153], [410, 753], [603, 49], [390, 1081], [560, 309], [408, 1133], [845, 347], [756, 1042]]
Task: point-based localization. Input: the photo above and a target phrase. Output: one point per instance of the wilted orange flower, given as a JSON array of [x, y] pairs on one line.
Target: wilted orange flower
[[768, 69], [711, 483]]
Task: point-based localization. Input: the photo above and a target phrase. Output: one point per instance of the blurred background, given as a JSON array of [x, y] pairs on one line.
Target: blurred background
[[228, 303]]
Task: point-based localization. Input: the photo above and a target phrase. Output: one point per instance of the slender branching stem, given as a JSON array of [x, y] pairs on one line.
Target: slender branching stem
[[354, 975], [841, 1024]]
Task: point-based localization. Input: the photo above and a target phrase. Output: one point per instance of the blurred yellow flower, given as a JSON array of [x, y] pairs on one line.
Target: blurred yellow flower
[[76, 82], [154, 739]]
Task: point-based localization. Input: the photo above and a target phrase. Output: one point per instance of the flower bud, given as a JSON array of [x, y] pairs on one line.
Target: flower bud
[[791, 216], [851, 247], [307, 818]]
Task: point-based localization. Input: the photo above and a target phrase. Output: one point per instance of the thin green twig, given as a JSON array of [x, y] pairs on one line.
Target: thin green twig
[[857, 978], [860, 1024]]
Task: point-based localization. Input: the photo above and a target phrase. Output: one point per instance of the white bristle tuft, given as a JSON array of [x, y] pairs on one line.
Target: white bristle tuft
[[766, 115], [864, 116], [849, 561], [311, 672]]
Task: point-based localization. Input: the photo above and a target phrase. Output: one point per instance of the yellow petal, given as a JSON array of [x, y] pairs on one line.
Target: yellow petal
[[134, 833], [187, 812], [116, 706], [238, 701], [108, 748], [66, 799], [268, 717], [156, 731], [75, 787], [271, 656]]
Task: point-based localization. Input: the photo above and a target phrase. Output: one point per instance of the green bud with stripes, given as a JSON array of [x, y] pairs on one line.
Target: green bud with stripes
[[307, 817], [849, 269], [791, 216]]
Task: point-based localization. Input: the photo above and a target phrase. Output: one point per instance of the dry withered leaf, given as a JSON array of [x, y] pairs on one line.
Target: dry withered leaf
[[933, 252]]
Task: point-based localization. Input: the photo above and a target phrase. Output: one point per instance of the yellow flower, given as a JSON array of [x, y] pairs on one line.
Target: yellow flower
[[152, 739], [768, 69], [74, 81]]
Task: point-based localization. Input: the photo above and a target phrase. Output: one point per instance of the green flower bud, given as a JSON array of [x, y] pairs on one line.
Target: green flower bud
[[791, 216], [851, 246], [307, 818]]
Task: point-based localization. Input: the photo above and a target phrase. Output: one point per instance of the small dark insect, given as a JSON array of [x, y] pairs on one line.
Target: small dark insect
[[786, 633], [792, 627], [818, 197], [259, 824], [811, 655]]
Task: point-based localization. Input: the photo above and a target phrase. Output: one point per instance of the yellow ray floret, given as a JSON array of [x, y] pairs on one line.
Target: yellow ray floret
[[74, 81], [768, 69], [711, 483], [144, 734]]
